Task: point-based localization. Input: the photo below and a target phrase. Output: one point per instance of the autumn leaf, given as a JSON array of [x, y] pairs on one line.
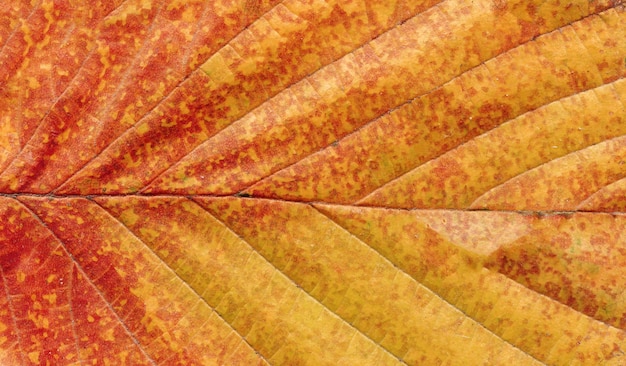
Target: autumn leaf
[[256, 182]]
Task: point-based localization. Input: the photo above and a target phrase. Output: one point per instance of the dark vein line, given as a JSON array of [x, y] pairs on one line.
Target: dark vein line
[[593, 319], [408, 102], [549, 162], [77, 73], [154, 107], [486, 132], [93, 285], [40, 124], [286, 87], [599, 192], [538, 213], [70, 84], [13, 316], [57, 98], [577, 311], [400, 269], [295, 284], [183, 282], [131, 66]]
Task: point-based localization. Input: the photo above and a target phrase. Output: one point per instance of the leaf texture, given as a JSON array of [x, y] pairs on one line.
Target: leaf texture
[[255, 182]]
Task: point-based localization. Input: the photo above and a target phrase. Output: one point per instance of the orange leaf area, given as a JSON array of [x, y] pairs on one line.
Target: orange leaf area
[[264, 182], [247, 281]]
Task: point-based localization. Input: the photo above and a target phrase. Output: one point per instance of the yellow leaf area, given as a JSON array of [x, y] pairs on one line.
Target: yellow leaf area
[[342, 182]]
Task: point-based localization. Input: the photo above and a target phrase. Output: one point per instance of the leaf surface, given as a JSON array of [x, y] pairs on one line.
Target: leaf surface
[[312, 183]]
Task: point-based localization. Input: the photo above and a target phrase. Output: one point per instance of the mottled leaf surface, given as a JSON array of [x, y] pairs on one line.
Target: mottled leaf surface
[[342, 182]]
